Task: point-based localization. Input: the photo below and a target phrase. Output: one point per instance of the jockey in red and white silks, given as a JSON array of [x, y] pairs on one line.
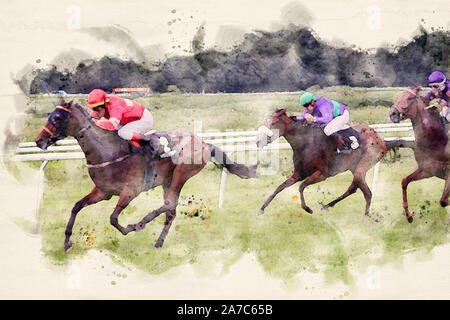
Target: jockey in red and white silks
[[128, 117]]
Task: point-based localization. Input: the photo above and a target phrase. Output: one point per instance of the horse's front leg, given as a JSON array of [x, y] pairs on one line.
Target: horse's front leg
[[317, 176], [418, 174], [94, 196], [293, 178], [125, 198]]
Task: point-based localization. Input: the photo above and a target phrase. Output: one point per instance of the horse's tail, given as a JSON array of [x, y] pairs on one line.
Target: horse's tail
[[399, 143], [240, 170]]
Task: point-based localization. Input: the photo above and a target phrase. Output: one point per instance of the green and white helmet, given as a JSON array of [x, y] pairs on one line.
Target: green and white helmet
[[306, 98]]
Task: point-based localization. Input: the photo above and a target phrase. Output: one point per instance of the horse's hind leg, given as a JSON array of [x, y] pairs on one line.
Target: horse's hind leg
[[170, 216], [357, 182], [367, 194], [351, 189], [94, 196], [180, 176], [125, 198]]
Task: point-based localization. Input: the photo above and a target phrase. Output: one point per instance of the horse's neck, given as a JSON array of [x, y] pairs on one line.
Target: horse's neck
[[299, 136], [98, 144]]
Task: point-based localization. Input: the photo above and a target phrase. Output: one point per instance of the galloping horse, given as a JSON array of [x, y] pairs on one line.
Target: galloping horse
[[315, 159], [432, 150], [118, 168]]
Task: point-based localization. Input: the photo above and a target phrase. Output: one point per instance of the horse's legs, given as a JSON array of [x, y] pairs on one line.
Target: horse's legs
[[351, 189], [367, 194], [317, 176], [180, 176], [94, 196], [170, 216], [125, 197], [293, 178], [446, 193], [416, 175], [357, 182]]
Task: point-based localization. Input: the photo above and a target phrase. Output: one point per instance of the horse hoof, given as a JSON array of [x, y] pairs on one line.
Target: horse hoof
[[158, 244], [324, 208], [410, 218], [307, 209], [140, 226], [443, 204], [260, 213], [67, 247]]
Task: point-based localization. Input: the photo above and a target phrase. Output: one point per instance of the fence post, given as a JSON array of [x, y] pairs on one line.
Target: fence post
[[223, 181], [40, 194], [375, 178]]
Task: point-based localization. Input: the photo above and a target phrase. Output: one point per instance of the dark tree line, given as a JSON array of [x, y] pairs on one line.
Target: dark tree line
[[286, 60]]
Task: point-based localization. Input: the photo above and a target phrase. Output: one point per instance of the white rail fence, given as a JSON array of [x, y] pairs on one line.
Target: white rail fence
[[229, 142]]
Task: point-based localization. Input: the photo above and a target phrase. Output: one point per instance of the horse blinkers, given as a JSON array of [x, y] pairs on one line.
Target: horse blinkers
[[55, 128]]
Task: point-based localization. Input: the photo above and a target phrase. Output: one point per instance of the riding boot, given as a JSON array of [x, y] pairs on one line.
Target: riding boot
[[342, 147], [338, 140], [159, 146]]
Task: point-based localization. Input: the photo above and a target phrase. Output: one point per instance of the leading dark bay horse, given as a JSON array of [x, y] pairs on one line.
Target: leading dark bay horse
[[432, 150], [118, 168], [315, 157]]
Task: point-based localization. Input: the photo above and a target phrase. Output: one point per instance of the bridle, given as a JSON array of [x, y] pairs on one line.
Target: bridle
[[48, 130], [55, 137], [405, 110], [264, 129]]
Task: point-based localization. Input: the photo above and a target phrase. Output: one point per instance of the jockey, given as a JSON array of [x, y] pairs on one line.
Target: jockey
[[128, 117], [327, 112], [440, 90]]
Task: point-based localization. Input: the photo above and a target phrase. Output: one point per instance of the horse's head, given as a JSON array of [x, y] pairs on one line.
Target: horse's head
[[405, 105], [274, 127], [57, 126]]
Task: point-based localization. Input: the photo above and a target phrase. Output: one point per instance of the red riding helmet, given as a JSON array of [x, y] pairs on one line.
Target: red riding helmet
[[97, 97]]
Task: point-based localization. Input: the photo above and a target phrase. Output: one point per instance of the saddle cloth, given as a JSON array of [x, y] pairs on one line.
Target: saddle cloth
[[351, 137]]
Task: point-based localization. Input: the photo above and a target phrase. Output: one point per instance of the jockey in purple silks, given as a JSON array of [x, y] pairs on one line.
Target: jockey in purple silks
[[327, 112], [440, 90]]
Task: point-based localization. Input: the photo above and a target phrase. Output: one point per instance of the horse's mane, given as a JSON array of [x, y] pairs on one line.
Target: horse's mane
[[84, 112], [434, 112], [88, 118], [303, 122]]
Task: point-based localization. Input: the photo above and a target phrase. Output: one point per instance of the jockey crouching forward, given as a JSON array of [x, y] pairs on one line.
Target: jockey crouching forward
[[440, 90], [129, 118], [331, 113]]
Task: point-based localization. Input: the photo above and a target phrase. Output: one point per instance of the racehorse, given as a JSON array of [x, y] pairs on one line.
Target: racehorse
[[315, 157], [118, 168], [432, 151]]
